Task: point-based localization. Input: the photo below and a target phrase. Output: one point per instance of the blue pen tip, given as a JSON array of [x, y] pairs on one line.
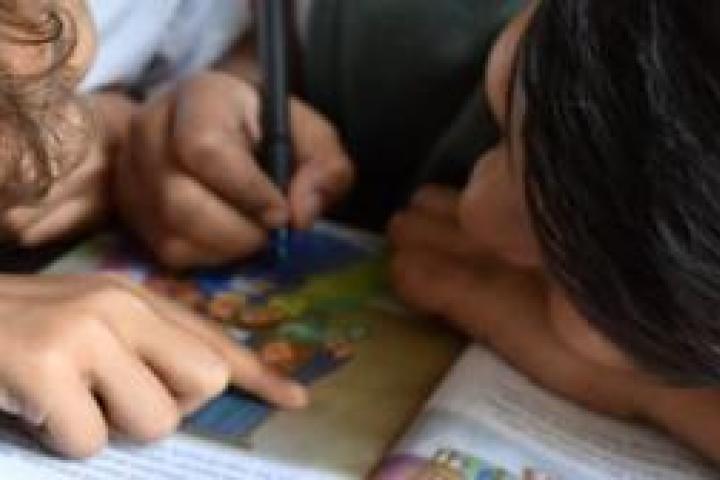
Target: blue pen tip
[[282, 244]]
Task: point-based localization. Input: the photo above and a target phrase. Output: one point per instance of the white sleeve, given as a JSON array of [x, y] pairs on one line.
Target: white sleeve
[[203, 31], [146, 43], [128, 33]]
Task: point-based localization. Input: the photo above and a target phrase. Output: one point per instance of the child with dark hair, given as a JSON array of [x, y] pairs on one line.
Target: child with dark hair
[[583, 246]]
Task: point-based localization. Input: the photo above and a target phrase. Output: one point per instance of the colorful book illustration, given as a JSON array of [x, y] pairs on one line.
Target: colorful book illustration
[[392, 400], [326, 317]]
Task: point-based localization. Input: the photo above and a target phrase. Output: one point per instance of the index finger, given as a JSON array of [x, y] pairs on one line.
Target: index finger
[[246, 370]]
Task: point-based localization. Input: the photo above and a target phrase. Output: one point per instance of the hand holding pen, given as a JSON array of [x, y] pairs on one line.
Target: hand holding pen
[[190, 182]]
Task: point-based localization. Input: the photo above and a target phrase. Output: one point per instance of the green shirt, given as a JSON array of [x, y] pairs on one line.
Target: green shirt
[[402, 80]]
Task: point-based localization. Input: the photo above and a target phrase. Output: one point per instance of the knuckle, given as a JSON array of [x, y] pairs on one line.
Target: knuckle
[[202, 146], [50, 354], [121, 293], [215, 378], [111, 295], [49, 360]]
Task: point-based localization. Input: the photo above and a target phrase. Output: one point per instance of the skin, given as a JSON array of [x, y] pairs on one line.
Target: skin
[[84, 356], [471, 258], [189, 178]]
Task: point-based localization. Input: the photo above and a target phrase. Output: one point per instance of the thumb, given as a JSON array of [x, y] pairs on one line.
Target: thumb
[[323, 172]]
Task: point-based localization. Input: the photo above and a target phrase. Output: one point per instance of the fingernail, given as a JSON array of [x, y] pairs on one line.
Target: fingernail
[[297, 397]]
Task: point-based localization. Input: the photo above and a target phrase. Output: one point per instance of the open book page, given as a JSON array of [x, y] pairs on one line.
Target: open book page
[[325, 317], [487, 419], [181, 457]]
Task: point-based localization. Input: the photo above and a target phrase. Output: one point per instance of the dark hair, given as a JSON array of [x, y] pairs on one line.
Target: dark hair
[[622, 174], [34, 105]]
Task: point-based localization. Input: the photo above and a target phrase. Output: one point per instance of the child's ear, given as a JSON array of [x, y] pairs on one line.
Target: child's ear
[[579, 335]]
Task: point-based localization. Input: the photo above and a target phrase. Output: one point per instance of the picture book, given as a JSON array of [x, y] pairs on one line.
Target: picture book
[[324, 316], [394, 396]]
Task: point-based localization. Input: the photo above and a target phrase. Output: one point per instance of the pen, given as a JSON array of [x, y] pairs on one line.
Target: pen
[[272, 43]]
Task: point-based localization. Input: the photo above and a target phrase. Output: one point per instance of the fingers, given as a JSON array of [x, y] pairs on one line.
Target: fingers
[[440, 286], [246, 370], [140, 201], [135, 401], [213, 142], [415, 229], [190, 226], [190, 184], [160, 358], [60, 408], [224, 164], [193, 187], [324, 171], [74, 202], [184, 223], [196, 214], [74, 215], [475, 299], [191, 370], [171, 248]]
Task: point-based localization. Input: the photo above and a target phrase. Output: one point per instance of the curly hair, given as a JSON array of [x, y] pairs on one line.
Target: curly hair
[[39, 114]]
